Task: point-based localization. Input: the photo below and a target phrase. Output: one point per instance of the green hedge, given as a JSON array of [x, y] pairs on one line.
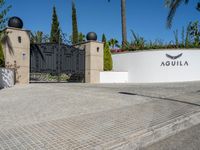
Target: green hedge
[[108, 63]]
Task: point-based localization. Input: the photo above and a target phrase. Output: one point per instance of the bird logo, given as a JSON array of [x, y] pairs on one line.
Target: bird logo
[[174, 57]]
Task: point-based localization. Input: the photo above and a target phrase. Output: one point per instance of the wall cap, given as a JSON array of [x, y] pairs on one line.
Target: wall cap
[[87, 42], [11, 28], [154, 50]]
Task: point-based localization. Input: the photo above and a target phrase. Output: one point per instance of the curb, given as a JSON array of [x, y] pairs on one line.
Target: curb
[[154, 134]]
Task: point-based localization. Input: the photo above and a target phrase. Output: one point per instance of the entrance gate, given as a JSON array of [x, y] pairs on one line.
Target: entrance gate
[[56, 63]]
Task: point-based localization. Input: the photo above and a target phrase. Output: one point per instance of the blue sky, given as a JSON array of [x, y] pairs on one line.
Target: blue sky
[[145, 17]]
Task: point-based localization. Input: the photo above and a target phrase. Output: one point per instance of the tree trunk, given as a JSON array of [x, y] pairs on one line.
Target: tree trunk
[[123, 14]]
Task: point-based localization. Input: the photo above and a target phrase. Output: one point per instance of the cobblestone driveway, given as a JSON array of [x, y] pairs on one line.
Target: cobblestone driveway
[[82, 116]]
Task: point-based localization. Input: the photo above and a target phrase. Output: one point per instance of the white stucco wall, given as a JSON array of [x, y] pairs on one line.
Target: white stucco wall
[[6, 78], [155, 66], [113, 77]]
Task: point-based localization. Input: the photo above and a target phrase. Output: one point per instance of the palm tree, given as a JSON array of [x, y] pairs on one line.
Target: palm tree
[[173, 5], [123, 20], [37, 37], [113, 43], [81, 37]]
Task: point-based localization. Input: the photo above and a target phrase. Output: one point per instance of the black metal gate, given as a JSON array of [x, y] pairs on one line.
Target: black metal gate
[[56, 63]]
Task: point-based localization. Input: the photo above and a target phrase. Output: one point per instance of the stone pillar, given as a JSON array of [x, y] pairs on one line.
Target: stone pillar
[[93, 60], [16, 47]]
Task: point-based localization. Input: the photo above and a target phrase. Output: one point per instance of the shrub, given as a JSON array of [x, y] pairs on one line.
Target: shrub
[[108, 64]]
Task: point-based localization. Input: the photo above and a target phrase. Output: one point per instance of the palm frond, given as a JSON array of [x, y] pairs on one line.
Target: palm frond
[[173, 5], [198, 6]]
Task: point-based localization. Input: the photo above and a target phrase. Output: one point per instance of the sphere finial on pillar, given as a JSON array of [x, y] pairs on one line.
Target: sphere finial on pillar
[[91, 36], [15, 22]]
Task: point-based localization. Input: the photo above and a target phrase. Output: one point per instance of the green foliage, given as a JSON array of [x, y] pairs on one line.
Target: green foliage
[[3, 12], [104, 40], [194, 32], [190, 38], [81, 37], [198, 6], [2, 62], [39, 37], [3, 19], [183, 36], [108, 64], [154, 44], [51, 77], [173, 5], [176, 38], [75, 34], [55, 30], [187, 38], [137, 42], [113, 43]]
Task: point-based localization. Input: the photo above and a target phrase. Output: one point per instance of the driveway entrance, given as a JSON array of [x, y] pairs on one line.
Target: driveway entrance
[[56, 63]]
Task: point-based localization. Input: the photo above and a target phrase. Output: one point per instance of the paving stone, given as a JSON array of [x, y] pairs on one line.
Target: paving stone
[[83, 116]]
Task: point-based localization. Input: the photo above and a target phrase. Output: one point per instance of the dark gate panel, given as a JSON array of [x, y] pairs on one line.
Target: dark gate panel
[[52, 62]]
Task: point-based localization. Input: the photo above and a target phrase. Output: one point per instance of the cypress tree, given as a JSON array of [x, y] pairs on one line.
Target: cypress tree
[[108, 64], [104, 38], [55, 31], [74, 25]]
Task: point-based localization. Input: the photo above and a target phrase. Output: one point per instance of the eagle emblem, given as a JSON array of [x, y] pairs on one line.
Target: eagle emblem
[[174, 57]]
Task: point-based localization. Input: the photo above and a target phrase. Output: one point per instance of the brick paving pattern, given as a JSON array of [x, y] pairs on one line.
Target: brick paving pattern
[[102, 117]]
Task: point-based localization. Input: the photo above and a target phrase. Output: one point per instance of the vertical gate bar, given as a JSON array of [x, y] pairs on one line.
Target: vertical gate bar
[[59, 60], [84, 55]]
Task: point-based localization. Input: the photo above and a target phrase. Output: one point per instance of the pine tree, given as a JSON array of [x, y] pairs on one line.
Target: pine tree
[[55, 30], [108, 64], [75, 36]]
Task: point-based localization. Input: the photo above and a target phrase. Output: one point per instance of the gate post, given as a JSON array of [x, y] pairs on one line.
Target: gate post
[[93, 58], [16, 48]]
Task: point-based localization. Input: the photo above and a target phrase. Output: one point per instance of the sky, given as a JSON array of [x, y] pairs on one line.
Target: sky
[[145, 17]]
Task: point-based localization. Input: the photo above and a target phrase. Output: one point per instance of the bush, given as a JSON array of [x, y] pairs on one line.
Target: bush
[[2, 62], [108, 64]]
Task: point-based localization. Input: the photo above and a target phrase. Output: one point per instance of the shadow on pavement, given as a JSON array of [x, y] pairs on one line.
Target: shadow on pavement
[[163, 98]]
